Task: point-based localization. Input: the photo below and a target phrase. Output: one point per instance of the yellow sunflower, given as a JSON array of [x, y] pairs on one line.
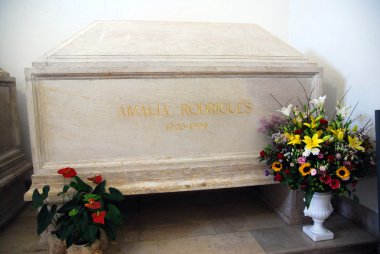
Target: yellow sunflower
[[305, 169], [343, 173], [276, 166]]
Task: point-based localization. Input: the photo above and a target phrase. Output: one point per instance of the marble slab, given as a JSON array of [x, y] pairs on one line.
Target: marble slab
[[161, 107]]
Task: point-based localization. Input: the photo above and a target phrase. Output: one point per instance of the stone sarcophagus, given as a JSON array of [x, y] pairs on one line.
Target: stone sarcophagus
[[15, 170], [160, 106]]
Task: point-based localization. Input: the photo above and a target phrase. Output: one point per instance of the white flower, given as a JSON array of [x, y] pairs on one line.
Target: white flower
[[286, 110], [318, 103], [291, 164], [322, 168], [342, 110], [314, 151]]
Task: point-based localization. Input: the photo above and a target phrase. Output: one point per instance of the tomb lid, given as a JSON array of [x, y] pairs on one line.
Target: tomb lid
[[144, 43]]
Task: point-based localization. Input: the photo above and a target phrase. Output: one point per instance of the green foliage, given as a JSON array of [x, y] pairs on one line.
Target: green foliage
[[73, 221], [114, 194]]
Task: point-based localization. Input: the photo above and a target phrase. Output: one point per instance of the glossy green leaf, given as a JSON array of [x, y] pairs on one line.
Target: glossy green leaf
[[73, 212], [44, 218], [114, 215], [45, 192], [114, 194], [88, 196], [82, 185], [90, 232], [37, 200], [100, 189]]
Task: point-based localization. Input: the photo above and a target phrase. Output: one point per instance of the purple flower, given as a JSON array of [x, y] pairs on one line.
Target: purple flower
[[346, 163], [266, 172]]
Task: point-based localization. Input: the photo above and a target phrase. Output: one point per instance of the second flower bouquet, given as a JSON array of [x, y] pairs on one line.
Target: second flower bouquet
[[309, 152]]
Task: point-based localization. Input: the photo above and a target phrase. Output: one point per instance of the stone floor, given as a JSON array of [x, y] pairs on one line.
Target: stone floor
[[213, 222]]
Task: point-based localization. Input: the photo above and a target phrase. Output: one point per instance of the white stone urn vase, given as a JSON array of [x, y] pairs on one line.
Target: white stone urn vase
[[319, 210]]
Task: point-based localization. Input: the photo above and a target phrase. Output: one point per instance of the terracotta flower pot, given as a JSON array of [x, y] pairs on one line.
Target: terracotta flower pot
[[55, 245]]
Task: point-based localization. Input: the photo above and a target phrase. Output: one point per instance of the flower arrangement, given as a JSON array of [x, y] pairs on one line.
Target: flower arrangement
[[85, 212], [309, 152]]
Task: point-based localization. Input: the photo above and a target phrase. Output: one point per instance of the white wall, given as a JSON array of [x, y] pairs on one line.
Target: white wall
[[343, 36], [30, 28]]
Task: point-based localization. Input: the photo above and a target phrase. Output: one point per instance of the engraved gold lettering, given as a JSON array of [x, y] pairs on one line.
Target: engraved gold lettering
[[187, 109], [165, 110], [230, 108], [131, 112], [186, 126], [240, 109], [212, 108], [220, 106], [144, 110]]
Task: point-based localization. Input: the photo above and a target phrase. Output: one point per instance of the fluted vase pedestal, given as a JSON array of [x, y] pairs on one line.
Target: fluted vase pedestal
[[319, 210]]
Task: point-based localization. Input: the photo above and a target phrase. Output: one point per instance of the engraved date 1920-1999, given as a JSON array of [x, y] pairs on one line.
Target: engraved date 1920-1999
[[186, 126]]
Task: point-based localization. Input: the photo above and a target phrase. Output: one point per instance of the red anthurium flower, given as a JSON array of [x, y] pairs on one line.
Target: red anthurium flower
[[262, 154], [280, 156], [98, 217], [334, 184], [96, 179], [67, 172], [323, 121], [297, 131], [92, 204]]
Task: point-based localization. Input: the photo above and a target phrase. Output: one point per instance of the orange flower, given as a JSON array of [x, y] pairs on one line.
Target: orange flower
[[92, 204]]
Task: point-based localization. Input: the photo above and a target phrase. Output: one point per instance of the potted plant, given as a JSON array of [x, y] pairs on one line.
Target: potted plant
[[87, 211], [319, 156]]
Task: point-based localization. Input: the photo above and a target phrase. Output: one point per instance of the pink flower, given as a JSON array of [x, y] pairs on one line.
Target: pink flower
[[320, 156], [301, 160], [313, 171]]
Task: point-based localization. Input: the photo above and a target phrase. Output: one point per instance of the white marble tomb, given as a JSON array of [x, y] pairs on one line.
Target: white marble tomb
[[160, 106]]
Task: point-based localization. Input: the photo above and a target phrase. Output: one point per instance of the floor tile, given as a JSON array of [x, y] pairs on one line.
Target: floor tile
[[291, 239], [232, 243], [177, 230]]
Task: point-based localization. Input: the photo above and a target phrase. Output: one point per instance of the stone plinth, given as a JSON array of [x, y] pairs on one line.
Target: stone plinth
[[14, 169], [288, 204], [161, 106]]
